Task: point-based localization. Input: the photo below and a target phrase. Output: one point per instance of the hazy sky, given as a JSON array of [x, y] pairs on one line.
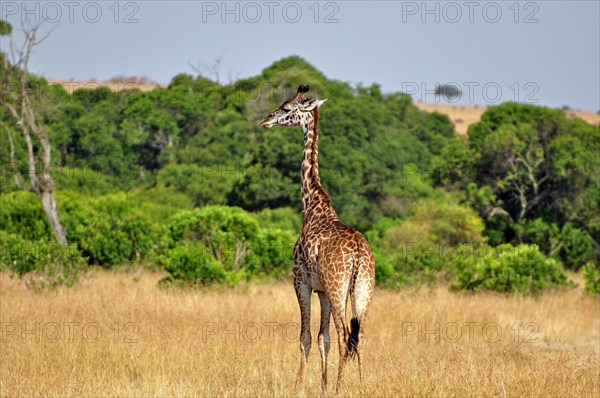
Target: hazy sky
[[545, 52]]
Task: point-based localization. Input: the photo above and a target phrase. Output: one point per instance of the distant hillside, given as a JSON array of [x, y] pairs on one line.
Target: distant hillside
[[461, 115], [464, 115], [115, 85]]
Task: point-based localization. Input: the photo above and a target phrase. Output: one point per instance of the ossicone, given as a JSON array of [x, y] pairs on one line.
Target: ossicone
[[303, 89]]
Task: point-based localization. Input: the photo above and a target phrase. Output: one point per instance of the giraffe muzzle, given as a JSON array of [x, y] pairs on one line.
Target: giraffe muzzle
[[267, 123]]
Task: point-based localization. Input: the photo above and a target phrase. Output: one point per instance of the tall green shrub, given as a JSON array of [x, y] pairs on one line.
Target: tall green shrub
[[225, 232], [591, 277], [192, 264], [271, 253], [22, 214], [506, 268], [415, 250], [216, 243], [111, 229], [41, 264]]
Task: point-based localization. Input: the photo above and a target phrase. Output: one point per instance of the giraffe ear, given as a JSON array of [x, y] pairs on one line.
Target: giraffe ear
[[312, 105]]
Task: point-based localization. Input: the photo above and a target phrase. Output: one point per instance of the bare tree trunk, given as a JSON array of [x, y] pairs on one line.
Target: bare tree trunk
[[49, 206], [13, 160], [45, 186], [20, 108], [41, 183]]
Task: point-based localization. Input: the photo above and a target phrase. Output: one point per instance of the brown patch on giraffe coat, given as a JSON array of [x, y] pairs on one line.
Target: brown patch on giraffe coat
[[330, 258]]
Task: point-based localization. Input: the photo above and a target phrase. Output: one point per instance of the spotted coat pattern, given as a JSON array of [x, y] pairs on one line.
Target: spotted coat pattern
[[330, 258]]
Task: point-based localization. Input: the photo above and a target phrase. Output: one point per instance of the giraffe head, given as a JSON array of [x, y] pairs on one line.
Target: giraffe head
[[293, 112]]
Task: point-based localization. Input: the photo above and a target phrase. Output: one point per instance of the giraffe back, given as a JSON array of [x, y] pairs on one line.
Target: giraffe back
[[330, 255]]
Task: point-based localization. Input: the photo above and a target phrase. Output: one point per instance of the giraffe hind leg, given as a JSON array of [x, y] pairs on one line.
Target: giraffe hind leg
[[361, 297], [353, 337], [337, 311], [303, 293], [342, 339], [324, 338]]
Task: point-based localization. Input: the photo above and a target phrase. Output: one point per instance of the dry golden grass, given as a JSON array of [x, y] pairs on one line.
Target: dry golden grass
[[72, 85], [117, 334], [461, 115], [464, 115]]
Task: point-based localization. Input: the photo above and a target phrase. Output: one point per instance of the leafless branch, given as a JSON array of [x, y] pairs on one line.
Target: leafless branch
[[13, 159], [497, 211], [21, 109], [212, 70]]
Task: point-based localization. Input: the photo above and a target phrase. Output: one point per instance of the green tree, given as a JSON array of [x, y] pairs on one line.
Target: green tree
[[22, 110], [506, 268], [532, 173]]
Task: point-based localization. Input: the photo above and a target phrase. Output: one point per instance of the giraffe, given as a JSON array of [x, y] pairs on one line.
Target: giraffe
[[330, 258]]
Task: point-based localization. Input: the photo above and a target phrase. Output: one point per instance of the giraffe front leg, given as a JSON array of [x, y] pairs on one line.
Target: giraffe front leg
[[303, 293], [324, 338]]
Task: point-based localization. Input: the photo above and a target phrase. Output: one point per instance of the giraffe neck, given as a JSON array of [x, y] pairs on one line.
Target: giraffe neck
[[313, 193]]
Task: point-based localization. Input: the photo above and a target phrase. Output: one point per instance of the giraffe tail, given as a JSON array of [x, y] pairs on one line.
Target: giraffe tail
[[353, 338]]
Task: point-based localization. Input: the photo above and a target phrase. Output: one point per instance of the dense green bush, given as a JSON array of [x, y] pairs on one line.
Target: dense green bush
[[83, 181], [591, 277], [271, 253], [40, 264], [202, 185], [436, 223], [385, 273], [166, 201], [108, 230], [578, 246], [22, 214], [111, 229], [506, 268], [28, 249], [419, 263], [415, 250], [225, 232], [215, 243], [192, 264], [12, 250], [284, 218]]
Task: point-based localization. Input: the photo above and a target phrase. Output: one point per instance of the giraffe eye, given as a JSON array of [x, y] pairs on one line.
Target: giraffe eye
[[286, 109]]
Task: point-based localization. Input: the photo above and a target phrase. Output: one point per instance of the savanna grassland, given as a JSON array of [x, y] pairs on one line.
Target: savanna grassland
[[117, 334], [182, 180]]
